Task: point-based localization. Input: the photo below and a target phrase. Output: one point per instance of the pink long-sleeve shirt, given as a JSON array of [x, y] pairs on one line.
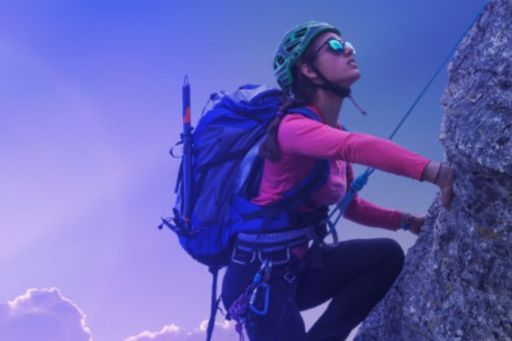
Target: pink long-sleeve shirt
[[302, 141]]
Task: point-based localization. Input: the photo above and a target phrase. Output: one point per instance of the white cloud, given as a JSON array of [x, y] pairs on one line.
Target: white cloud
[[224, 331], [42, 315]]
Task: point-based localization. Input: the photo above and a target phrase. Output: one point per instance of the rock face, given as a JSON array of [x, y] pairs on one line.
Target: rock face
[[457, 279]]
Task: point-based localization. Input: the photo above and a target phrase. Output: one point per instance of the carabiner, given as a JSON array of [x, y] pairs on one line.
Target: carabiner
[[258, 302]]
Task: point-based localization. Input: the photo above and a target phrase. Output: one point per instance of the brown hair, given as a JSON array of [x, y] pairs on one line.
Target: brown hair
[[303, 94]]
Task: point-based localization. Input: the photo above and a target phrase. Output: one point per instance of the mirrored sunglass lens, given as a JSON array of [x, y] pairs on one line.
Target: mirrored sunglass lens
[[335, 45]]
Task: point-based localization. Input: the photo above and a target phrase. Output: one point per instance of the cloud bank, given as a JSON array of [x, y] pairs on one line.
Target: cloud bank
[[224, 331], [43, 315]]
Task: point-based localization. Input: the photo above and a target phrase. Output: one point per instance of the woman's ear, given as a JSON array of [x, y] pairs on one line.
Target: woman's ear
[[307, 71]]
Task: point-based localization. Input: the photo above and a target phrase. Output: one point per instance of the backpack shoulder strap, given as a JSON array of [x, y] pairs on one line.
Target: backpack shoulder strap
[[301, 193], [305, 112]]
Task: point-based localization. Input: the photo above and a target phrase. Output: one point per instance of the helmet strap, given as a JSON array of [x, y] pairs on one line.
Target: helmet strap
[[328, 85], [336, 89]]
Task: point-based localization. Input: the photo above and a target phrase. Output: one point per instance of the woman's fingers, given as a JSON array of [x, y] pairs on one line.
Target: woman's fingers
[[446, 185], [416, 223]]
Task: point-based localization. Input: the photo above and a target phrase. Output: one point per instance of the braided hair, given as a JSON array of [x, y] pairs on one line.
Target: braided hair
[[303, 95]]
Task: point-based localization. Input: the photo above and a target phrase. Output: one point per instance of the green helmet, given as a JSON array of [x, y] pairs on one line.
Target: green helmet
[[295, 42]]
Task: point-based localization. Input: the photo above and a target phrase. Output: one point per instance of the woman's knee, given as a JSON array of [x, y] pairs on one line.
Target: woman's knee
[[393, 254]]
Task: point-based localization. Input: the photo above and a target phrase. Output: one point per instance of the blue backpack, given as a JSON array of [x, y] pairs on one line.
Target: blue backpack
[[226, 172], [223, 172]]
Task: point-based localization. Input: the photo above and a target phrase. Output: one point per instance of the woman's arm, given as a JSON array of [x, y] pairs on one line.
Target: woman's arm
[[300, 135], [366, 213]]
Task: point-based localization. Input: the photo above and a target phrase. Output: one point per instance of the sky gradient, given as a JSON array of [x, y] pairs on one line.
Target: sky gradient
[[90, 103]]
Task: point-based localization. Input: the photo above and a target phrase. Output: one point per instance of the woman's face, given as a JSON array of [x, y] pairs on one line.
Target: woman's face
[[340, 68]]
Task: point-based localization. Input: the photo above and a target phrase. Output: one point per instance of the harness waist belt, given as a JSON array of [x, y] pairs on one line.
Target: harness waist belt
[[275, 245], [278, 237]]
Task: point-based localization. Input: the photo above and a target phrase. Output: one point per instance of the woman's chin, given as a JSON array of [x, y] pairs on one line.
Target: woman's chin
[[357, 75], [354, 76]]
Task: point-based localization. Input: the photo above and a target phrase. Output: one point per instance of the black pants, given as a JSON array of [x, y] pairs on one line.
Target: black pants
[[354, 274]]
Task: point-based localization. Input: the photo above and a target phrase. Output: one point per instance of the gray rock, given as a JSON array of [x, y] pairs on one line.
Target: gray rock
[[457, 280]]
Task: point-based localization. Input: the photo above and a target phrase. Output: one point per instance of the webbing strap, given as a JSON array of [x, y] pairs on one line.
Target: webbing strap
[[275, 237], [299, 194], [214, 304]]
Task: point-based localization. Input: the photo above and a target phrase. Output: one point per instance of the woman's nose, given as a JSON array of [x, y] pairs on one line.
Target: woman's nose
[[348, 50]]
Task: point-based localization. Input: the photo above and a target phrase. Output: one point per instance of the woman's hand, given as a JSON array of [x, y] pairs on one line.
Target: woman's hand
[[414, 223], [417, 224], [441, 175], [445, 183]]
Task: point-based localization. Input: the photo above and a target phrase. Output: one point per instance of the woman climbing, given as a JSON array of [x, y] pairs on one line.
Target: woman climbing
[[266, 287]]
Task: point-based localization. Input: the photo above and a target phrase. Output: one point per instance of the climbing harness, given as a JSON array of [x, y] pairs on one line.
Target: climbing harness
[[276, 246], [270, 249]]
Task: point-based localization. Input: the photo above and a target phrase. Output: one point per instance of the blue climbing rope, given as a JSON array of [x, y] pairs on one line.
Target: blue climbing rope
[[361, 180]]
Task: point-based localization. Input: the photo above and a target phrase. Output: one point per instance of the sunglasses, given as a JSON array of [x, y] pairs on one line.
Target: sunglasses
[[336, 46]]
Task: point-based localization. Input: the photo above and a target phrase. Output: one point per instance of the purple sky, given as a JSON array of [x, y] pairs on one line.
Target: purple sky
[[90, 104]]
